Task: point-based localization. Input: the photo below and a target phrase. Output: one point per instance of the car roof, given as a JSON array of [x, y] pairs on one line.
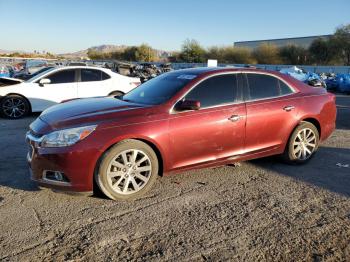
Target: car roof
[[83, 67], [200, 71]]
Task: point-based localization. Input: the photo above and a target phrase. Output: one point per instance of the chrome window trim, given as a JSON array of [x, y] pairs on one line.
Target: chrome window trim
[[53, 71], [271, 97], [267, 98], [173, 112], [57, 70]]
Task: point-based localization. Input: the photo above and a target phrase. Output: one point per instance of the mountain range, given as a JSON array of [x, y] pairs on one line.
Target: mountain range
[[99, 48], [3, 52]]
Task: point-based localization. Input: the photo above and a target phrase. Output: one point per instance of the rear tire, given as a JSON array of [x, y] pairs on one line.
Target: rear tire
[[302, 144], [127, 170], [14, 107]]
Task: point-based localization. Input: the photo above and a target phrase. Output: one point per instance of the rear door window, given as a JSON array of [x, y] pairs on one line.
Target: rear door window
[[262, 86], [284, 88], [90, 75]]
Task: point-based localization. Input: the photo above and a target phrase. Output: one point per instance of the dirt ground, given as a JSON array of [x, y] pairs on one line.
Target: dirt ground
[[262, 210]]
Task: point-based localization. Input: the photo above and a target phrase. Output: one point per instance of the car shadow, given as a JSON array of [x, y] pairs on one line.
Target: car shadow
[[328, 169], [343, 118], [343, 112]]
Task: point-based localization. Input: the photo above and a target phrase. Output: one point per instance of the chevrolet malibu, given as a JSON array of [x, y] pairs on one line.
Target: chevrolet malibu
[[181, 120]]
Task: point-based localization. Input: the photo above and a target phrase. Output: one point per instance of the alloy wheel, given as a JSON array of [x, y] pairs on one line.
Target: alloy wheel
[[304, 144], [14, 107], [129, 171]]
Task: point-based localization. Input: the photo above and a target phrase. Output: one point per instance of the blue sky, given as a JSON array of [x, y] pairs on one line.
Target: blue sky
[[66, 26]]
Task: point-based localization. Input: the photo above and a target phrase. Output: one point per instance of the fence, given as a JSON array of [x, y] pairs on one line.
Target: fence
[[314, 69], [308, 68]]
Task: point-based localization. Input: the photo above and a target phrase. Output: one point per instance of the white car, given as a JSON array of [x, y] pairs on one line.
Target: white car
[[59, 84]]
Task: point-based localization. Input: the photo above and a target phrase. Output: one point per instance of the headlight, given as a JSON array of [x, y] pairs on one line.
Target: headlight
[[66, 137]]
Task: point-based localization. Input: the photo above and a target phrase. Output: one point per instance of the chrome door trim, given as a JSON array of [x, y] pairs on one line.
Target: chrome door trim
[[172, 112]]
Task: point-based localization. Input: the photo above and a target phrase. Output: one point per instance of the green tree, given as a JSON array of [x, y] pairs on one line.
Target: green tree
[[15, 54], [231, 55], [145, 53], [340, 43], [238, 55], [217, 53], [293, 55], [93, 54], [192, 52], [267, 54], [118, 55], [129, 53], [320, 51], [175, 57]]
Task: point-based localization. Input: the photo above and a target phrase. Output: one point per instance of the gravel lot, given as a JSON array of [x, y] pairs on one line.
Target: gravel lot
[[262, 210]]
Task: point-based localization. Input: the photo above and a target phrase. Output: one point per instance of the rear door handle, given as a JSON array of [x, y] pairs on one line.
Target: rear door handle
[[234, 118], [288, 108]]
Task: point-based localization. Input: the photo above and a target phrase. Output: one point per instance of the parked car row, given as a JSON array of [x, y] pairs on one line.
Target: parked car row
[[144, 71], [6, 71], [180, 120]]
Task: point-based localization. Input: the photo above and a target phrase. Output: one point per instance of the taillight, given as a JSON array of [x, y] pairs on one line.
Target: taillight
[[333, 97], [135, 83]]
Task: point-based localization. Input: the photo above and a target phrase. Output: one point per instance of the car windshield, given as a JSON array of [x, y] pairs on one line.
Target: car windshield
[[160, 89], [40, 73]]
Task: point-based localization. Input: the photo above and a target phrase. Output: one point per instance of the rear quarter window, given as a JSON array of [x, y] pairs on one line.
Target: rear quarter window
[[105, 76]]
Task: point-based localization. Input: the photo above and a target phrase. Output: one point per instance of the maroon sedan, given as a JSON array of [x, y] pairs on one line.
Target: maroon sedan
[[178, 121]]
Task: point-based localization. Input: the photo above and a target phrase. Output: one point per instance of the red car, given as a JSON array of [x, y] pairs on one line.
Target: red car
[[181, 120]]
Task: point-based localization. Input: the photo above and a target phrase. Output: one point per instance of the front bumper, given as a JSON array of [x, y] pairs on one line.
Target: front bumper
[[76, 162]]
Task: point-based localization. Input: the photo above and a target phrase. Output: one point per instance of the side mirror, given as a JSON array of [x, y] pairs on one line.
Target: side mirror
[[187, 105], [44, 81]]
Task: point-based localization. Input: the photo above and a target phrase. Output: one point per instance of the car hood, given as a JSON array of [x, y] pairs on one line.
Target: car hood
[[11, 79], [89, 110], [9, 86]]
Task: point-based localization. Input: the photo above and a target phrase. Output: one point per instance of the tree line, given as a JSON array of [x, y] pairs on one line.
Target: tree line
[[143, 53], [44, 55], [332, 51]]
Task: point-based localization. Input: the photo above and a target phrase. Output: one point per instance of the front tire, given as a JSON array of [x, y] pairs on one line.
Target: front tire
[[302, 144], [128, 170], [14, 107]]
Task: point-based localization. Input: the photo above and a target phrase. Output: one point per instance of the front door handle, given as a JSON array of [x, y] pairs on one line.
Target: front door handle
[[234, 118], [288, 108]]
